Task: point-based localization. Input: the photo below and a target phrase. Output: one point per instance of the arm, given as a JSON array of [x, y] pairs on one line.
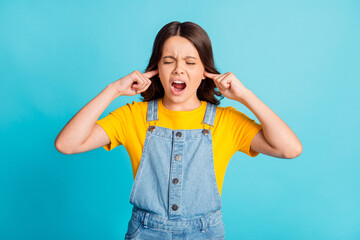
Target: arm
[[276, 138], [82, 133], [80, 126]]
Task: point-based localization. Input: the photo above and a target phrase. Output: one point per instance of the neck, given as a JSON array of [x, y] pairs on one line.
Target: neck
[[181, 106]]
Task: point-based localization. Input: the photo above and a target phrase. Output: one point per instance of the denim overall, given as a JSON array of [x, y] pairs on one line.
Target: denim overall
[[175, 194]]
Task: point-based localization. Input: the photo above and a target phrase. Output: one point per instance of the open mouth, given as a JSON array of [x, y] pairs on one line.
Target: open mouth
[[178, 87]]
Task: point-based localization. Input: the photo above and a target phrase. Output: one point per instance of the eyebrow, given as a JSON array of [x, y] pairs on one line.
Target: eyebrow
[[183, 58]]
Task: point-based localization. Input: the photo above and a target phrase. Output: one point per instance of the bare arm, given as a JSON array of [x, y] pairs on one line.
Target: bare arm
[[77, 130], [82, 133], [276, 138]]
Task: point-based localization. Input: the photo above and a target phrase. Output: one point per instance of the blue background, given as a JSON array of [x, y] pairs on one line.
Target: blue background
[[301, 58]]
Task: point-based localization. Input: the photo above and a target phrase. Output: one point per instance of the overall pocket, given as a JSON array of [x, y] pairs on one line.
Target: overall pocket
[[216, 232], [133, 229]]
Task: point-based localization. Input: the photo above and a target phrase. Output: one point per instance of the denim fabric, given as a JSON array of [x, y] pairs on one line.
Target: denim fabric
[[175, 194], [148, 226]]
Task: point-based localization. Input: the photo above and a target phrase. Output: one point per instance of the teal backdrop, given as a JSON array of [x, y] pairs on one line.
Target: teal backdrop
[[301, 58]]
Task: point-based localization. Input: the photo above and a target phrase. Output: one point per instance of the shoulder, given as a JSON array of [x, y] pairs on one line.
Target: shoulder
[[133, 108], [228, 112], [230, 116]]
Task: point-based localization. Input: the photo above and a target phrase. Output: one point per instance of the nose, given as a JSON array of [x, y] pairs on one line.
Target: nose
[[178, 69]]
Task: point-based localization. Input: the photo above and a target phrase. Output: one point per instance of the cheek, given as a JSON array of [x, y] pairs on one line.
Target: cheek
[[196, 73], [163, 71]]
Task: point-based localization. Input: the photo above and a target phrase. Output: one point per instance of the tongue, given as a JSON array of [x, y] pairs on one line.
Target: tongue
[[179, 85]]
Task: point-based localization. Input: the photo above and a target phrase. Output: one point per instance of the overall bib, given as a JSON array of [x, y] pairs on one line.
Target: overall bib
[[175, 194]]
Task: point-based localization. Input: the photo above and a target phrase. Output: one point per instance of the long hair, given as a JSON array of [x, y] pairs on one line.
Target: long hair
[[197, 35]]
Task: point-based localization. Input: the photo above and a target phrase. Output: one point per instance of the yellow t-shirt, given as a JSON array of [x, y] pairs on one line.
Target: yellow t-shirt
[[233, 131]]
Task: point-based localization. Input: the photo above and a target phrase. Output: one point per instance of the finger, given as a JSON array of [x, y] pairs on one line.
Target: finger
[[144, 88], [218, 86], [146, 83], [224, 81], [219, 79], [135, 79], [210, 75], [219, 76], [151, 73], [141, 80]]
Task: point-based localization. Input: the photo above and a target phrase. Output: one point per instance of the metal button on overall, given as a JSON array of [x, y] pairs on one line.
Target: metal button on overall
[[175, 181], [178, 134], [205, 132], [177, 157], [175, 207]]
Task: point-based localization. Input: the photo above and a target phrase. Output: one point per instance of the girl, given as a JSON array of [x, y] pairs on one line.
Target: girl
[[178, 139]]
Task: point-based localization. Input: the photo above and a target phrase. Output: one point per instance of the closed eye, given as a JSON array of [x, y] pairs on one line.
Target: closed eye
[[172, 62]]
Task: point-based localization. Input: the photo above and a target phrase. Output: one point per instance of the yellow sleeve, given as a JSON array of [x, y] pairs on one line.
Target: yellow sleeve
[[244, 130], [115, 127]]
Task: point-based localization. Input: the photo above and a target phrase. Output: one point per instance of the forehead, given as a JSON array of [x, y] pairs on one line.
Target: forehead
[[178, 45]]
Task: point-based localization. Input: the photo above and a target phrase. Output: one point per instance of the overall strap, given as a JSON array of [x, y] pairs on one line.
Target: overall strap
[[210, 114], [152, 111]]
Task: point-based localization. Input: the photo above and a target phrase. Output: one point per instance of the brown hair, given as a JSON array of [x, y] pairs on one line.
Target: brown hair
[[197, 35]]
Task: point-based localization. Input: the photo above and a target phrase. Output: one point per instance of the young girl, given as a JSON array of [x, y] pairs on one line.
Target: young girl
[[178, 139]]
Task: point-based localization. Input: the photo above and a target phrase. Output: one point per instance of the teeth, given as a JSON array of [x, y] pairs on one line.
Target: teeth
[[179, 82]]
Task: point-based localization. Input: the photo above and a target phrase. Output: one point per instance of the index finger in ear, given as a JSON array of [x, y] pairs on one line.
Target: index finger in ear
[[151, 73], [210, 75]]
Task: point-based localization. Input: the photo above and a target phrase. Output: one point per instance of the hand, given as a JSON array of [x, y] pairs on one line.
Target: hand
[[134, 83], [228, 85]]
